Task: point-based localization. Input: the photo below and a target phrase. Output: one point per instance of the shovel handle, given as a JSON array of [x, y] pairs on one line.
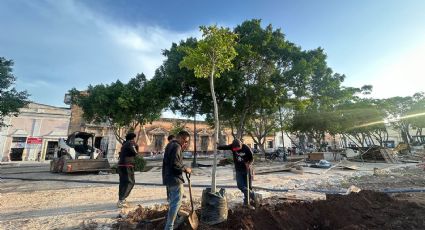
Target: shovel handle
[[190, 191]]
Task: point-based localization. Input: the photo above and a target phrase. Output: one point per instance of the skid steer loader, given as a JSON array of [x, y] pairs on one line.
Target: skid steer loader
[[78, 154]]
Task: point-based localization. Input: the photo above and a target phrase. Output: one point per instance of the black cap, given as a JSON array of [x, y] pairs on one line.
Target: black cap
[[130, 136], [236, 143]]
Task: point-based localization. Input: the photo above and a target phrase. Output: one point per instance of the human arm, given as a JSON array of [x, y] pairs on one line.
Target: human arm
[[224, 147], [249, 158], [177, 160], [133, 150]]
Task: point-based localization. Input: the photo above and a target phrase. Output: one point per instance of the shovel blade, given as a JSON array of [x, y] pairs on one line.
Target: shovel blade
[[193, 221]]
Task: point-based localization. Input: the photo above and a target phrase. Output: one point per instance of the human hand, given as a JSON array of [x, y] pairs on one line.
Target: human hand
[[188, 170], [247, 165]]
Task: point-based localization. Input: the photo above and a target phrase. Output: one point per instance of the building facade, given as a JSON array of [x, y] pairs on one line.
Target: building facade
[[34, 134]]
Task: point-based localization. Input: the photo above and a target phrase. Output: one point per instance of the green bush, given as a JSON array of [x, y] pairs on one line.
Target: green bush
[[114, 168], [139, 163]]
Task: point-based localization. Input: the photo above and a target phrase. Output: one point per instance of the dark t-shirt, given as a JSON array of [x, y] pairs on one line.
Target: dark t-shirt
[[244, 155], [127, 154]]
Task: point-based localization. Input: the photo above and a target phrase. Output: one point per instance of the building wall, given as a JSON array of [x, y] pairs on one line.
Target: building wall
[[41, 122]]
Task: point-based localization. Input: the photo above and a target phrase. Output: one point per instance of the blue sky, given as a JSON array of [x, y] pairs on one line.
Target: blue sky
[[57, 45]]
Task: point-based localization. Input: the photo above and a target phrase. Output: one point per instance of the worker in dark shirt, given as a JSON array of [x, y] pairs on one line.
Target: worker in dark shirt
[[125, 168], [172, 174], [243, 159]]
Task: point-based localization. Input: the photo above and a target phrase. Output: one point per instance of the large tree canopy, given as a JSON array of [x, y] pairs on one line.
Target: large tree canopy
[[121, 106], [11, 100]]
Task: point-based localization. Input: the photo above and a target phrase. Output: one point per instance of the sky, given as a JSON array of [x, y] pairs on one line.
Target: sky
[[57, 45]]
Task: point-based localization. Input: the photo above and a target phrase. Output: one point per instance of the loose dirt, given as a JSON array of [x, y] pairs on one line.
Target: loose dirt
[[364, 210]]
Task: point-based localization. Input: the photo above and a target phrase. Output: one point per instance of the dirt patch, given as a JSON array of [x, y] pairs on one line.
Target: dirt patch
[[399, 178], [364, 210]]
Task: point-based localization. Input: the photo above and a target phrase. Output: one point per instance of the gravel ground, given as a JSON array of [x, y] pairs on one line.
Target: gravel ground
[[51, 201]]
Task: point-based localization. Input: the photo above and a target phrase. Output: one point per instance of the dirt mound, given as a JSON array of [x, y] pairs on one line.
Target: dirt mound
[[364, 210]]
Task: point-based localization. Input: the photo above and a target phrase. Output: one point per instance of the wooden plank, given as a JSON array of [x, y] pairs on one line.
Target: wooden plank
[[316, 156], [281, 168], [86, 165]]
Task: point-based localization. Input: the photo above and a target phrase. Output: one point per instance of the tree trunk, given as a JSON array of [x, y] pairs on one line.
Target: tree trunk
[[216, 130], [281, 127], [195, 154]]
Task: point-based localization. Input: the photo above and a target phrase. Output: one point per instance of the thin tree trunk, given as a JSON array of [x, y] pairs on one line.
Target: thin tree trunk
[[216, 130], [281, 127]]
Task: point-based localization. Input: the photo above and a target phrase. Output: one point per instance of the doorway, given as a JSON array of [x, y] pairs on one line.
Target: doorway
[[52, 147], [16, 154]]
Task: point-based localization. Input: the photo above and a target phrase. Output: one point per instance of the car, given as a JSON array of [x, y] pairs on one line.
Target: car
[[187, 155], [255, 151]]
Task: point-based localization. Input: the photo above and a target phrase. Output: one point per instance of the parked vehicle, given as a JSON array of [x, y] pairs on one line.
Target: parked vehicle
[[78, 154], [187, 155], [278, 153]]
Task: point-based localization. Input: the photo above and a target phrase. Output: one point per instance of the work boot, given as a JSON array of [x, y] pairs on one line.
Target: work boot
[[122, 204], [181, 218], [255, 199]]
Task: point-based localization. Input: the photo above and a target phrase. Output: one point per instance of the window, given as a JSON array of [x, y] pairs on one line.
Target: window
[[204, 143], [19, 139], [158, 142], [269, 144]]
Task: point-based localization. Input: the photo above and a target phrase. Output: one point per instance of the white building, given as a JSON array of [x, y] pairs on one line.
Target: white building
[[34, 134]]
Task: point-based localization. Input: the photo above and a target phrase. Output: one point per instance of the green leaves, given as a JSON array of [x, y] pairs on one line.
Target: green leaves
[[121, 106], [11, 100], [213, 54]]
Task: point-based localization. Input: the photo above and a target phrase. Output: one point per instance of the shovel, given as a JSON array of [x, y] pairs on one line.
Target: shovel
[[248, 186], [192, 218]]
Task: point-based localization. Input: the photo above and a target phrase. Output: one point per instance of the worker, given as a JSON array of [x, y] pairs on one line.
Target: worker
[[172, 174], [125, 168], [243, 160], [169, 138]]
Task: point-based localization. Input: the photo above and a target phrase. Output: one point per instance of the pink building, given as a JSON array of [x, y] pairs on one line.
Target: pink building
[[34, 134]]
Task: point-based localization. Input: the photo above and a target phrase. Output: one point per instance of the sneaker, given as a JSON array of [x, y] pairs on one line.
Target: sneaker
[[122, 204]]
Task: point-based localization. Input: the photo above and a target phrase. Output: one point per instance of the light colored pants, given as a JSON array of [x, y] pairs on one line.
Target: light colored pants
[[175, 201]]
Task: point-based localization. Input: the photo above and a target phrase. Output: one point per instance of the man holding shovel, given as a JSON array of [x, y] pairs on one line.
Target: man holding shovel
[[243, 159], [172, 174]]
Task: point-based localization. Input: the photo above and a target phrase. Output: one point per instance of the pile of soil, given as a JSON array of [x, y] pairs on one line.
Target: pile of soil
[[364, 210]]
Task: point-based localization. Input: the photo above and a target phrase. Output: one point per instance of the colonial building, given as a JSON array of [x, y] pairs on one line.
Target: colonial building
[[34, 134]]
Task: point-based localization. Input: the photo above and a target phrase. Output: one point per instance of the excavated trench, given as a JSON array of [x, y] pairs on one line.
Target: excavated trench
[[363, 210]]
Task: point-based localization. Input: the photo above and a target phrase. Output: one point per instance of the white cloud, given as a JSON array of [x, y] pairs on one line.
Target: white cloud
[[63, 44]]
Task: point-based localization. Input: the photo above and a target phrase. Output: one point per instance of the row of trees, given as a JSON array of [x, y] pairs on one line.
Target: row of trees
[[364, 121], [261, 84]]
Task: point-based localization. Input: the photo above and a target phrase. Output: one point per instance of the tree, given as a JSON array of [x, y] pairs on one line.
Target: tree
[[397, 109], [415, 116], [11, 100], [128, 105], [211, 57], [259, 85], [362, 122], [320, 91]]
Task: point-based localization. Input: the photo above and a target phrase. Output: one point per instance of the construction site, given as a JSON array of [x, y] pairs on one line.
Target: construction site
[[378, 188], [249, 115]]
